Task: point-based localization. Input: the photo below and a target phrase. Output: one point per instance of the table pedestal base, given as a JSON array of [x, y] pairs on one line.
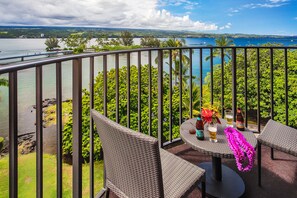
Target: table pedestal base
[[230, 186]]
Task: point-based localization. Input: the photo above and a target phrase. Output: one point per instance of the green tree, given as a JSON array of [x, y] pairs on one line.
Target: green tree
[[52, 43], [77, 41], [111, 106], [174, 42], [126, 38], [222, 42], [104, 41], [150, 41], [265, 90], [3, 81]]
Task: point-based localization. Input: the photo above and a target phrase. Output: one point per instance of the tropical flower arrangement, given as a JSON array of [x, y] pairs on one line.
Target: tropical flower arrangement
[[244, 153], [209, 116]]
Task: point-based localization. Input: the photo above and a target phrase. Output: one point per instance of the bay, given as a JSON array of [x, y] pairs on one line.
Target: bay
[[26, 78]]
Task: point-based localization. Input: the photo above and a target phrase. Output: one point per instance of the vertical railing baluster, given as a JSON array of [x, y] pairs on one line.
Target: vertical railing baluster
[[91, 128], [39, 133], [128, 89], [139, 91], [13, 135], [271, 84], [286, 87], [117, 87], [170, 95], [150, 90], [258, 90], [160, 98], [222, 82], [245, 88], [234, 91], [59, 128], [105, 84], [201, 79], [180, 87], [191, 88], [211, 76], [77, 128]]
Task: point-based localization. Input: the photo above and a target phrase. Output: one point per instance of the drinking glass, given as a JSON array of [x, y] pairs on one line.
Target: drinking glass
[[212, 130], [229, 117]]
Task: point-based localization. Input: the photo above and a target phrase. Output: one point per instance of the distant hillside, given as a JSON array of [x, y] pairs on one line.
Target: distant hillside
[[62, 32]]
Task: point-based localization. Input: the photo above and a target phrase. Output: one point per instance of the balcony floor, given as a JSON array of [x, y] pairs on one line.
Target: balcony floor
[[279, 176]]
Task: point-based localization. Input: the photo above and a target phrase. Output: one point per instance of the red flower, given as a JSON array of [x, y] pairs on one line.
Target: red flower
[[207, 115]]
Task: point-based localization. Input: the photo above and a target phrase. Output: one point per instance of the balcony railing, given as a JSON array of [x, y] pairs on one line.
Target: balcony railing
[[219, 62]]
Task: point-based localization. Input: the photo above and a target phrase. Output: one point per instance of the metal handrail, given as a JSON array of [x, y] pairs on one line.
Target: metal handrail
[[12, 70]]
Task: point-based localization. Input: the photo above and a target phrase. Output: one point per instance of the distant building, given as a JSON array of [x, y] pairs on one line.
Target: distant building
[[41, 35]]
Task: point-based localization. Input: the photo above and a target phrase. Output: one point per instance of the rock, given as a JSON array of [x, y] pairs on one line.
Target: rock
[[27, 146], [1, 142]]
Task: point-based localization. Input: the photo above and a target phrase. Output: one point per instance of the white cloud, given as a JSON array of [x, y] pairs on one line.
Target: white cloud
[[102, 13], [269, 4], [278, 1], [227, 26], [232, 11], [186, 4]]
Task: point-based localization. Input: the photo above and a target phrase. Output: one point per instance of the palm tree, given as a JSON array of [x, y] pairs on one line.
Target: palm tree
[[174, 42], [195, 104], [51, 43], [222, 42]]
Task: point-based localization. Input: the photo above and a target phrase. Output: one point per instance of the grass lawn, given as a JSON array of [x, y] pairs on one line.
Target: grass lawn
[[27, 176]]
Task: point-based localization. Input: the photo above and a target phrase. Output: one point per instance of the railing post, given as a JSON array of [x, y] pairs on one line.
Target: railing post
[[105, 84], [128, 89], [286, 86], [222, 82], [77, 128], [139, 91], [271, 84], [211, 76], [234, 104], [117, 87], [191, 87], [160, 98], [258, 91], [170, 95], [245, 89], [150, 91], [59, 129], [13, 135], [201, 78], [180, 87], [91, 128], [39, 133]]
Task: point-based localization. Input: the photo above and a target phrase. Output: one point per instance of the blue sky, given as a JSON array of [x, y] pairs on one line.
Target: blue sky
[[243, 16], [273, 17]]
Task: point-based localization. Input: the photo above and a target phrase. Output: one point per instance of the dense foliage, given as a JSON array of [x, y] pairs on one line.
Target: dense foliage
[[3, 81], [265, 89], [150, 41], [111, 106]]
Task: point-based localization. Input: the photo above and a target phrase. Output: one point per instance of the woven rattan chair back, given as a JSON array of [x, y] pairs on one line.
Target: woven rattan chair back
[[132, 160]]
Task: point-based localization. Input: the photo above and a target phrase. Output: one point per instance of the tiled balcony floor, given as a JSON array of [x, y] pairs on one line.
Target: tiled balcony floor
[[279, 176]]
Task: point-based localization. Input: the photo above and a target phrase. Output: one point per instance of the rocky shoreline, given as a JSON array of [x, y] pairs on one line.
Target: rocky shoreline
[[27, 141]]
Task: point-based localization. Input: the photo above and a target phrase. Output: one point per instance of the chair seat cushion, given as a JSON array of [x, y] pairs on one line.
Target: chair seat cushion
[[179, 176], [280, 137]]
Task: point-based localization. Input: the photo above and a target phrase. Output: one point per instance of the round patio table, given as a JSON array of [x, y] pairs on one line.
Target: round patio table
[[221, 181]]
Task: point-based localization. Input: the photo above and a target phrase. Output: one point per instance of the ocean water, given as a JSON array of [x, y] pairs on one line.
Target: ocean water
[[26, 78]]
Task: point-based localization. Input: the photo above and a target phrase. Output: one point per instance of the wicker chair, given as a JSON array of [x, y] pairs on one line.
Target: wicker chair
[[137, 167], [277, 136]]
